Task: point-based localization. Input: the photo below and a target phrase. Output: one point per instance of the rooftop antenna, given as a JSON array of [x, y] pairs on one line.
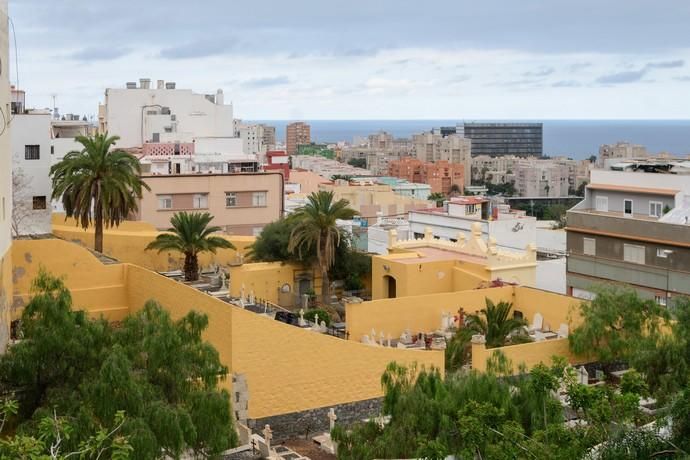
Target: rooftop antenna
[[54, 96]]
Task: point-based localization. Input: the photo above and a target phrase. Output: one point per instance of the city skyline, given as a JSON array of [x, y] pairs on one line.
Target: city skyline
[[389, 60]]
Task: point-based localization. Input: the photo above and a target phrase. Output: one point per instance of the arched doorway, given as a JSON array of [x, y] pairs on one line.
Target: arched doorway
[[389, 287]]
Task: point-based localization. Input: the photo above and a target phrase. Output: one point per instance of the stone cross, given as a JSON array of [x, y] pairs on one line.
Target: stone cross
[[583, 376], [268, 435], [332, 418], [316, 319], [301, 317]]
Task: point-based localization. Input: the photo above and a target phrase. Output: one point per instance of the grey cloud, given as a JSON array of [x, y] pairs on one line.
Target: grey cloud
[[357, 52], [458, 79], [198, 49], [630, 76], [683, 78], [666, 64], [266, 82], [576, 67], [540, 72], [99, 54], [567, 84]]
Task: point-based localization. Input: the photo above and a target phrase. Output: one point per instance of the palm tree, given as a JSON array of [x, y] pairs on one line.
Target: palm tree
[[316, 228], [190, 235], [493, 322], [438, 198], [98, 186]]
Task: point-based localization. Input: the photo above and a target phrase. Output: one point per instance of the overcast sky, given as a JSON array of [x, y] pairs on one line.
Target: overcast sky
[[389, 59]]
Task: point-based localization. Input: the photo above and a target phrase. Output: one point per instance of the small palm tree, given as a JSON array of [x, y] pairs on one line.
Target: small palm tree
[[316, 228], [190, 235], [98, 186], [438, 198], [495, 324]]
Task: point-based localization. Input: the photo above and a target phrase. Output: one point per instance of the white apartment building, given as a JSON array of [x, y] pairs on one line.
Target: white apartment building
[[141, 114], [620, 150], [430, 148], [545, 178], [63, 134], [511, 229], [5, 184], [379, 234], [257, 139], [31, 183]]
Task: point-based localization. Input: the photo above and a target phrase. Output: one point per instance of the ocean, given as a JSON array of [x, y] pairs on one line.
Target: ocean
[[572, 138]]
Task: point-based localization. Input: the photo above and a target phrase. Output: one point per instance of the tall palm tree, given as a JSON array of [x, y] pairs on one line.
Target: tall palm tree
[[190, 235], [317, 229], [496, 325], [98, 186]]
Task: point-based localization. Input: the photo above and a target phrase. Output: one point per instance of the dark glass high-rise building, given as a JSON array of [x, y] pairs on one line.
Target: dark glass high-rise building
[[498, 139]]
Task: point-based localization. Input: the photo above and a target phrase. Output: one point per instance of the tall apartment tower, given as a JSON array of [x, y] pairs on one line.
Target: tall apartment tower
[[297, 133], [5, 185]]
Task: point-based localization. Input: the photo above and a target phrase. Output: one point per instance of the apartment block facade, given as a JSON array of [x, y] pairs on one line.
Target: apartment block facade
[[296, 134], [441, 175], [496, 139], [431, 148], [241, 204], [619, 151], [632, 229]]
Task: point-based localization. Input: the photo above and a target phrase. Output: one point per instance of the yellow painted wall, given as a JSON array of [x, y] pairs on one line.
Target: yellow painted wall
[[469, 276], [529, 354], [266, 279], [5, 298], [555, 308], [419, 314], [95, 287], [127, 243], [287, 369], [411, 278]]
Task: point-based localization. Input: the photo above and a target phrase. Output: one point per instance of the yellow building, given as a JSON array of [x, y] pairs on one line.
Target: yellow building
[[369, 200], [429, 265]]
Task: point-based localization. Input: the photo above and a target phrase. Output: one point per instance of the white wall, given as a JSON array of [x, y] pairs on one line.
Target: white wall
[[195, 115], [377, 240], [32, 177], [551, 275]]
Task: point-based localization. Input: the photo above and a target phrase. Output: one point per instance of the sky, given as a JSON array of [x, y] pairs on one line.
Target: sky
[[375, 59]]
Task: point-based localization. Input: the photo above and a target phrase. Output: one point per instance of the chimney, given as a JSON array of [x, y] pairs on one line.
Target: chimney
[[220, 99], [161, 84], [145, 83]]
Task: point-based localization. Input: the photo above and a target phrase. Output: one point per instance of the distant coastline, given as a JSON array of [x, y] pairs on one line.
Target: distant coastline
[[574, 138]]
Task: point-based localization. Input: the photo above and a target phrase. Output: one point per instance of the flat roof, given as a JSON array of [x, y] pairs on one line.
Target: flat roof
[[430, 254], [626, 188]]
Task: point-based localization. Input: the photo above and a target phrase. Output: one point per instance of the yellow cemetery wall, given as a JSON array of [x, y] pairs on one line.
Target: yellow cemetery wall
[[418, 313], [97, 288], [469, 276], [266, 279], [127, 243], [529, 354], [287, 369], [5, 298]]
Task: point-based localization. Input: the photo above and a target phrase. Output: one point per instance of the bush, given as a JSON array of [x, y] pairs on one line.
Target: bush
[[323, 316]]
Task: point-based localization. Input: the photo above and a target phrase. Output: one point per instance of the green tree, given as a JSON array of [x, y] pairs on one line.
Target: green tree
[[358, 162], [455, 190], [272, 243], [495, 323], [98, 186], [158, 371], [317, 230], [438, 198], [190, 234]]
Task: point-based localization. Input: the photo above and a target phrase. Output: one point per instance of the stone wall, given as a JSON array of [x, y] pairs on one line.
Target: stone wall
[[315, 421]]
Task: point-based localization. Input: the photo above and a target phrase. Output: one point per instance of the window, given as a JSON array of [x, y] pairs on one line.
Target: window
[[663, 253], [589, 246], [230, 199], [602, 203], [471, 209], [655, 208], [660, 300], [32, 152], [201, 201], [165, 202], [39, 202], [259, 199], [627, 207], [633, 253]]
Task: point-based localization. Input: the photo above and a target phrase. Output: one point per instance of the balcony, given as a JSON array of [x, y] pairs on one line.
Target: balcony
[[640, 227]]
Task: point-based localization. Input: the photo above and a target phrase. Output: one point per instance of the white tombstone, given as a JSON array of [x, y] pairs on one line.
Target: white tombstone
[[382, 337], [322, 327], [305, 301], [316, 319], [302, 322], [388, 340], [582, 376], [563, 331], [365, 339], [537, 322], [331, 419], [242, 295], [268, 436], [252, 298], [373, 333]]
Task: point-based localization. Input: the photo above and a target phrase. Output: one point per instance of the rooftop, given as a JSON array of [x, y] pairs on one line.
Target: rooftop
[[626, 188]]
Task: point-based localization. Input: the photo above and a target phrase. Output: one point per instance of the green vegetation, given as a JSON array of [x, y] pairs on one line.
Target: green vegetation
[[506, 189], [437, 197], [316, 150], [150, 384], [499, 416], [358, 162], [98, 186], [190, 234], [497, 326], [323, 316], [316, 230]]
